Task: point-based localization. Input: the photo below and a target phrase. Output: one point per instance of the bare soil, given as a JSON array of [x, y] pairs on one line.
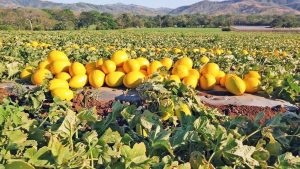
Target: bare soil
[[104, 107], [82, 100], [3, 94], [249, 111]]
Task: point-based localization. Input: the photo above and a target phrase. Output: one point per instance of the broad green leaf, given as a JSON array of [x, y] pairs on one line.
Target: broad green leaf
[[203, 126], [261, 155], [258, 118], [159, 134], [136, 156], [138, 150], [111, 118], [18, 164], [234, 150], [87, 115], [184, 166], [40, 158], [126, 139], [30, 152], [149, 119], [12, 68], [69, 125], [161, 145], [111, 136], [2, 68], [197, 160], [90, 137], [275, 121], [61, 153], [16, 137], [129, 114], [287, 160]]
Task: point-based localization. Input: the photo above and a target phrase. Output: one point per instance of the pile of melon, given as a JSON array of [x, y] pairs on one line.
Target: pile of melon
[[62, 75]]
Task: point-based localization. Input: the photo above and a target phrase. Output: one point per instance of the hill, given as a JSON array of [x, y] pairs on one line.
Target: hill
[[264, 7], [117, 8], [236, 7]]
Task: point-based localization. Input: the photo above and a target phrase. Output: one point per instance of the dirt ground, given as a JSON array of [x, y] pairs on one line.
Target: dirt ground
[[83, 100], [3, 93], [104, 107], [249, 111]]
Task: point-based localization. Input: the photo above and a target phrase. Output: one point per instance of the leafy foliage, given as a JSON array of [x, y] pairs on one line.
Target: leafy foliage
[[135, 137], [36, 131]]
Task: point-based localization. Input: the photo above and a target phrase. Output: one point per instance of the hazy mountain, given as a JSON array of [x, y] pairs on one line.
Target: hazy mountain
[[280, 2], [112, 8], [203, 7], [295, 4], [235, 7]]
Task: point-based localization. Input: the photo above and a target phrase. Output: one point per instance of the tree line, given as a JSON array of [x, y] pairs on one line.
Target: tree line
[[54, 19]]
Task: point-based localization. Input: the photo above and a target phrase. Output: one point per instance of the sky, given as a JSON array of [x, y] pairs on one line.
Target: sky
[[147, 3]]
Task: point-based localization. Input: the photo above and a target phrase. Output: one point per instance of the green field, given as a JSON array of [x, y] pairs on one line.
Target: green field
[[39, 130], [264, 49]]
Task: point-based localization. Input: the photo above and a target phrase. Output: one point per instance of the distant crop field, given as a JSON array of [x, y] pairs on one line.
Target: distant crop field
[[264, 29], [176, 29]]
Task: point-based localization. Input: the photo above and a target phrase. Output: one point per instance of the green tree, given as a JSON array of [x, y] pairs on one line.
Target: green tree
[[88, 18]]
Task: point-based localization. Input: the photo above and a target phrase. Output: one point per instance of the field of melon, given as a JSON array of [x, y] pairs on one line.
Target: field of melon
[[149, 98]]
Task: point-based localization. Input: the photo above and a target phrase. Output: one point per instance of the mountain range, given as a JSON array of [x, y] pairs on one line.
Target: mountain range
[[264, 7]]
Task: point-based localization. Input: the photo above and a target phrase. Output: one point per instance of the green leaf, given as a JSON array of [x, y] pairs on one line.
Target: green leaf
[[69, 125], [261, 155], [16, 137], [197, 160], [235, 150], [2, 69], [35, 102], [184, 166], [129, 113], [111, 136], [202, 125], [293, 85], [159, 134], [275, 121], [18, 164], [12, 68], [179, 137], [61, 153], [287, 160], [135, 156], [87, 115], [37, 134], [149, 119], [257, 119], [30, 152], [126, 139], [159, 139], [111, 118], [162, 144], [138, 150], [90, 137], [40, 158]]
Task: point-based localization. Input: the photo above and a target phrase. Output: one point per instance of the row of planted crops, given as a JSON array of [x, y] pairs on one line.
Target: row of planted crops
[[39, 128]]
